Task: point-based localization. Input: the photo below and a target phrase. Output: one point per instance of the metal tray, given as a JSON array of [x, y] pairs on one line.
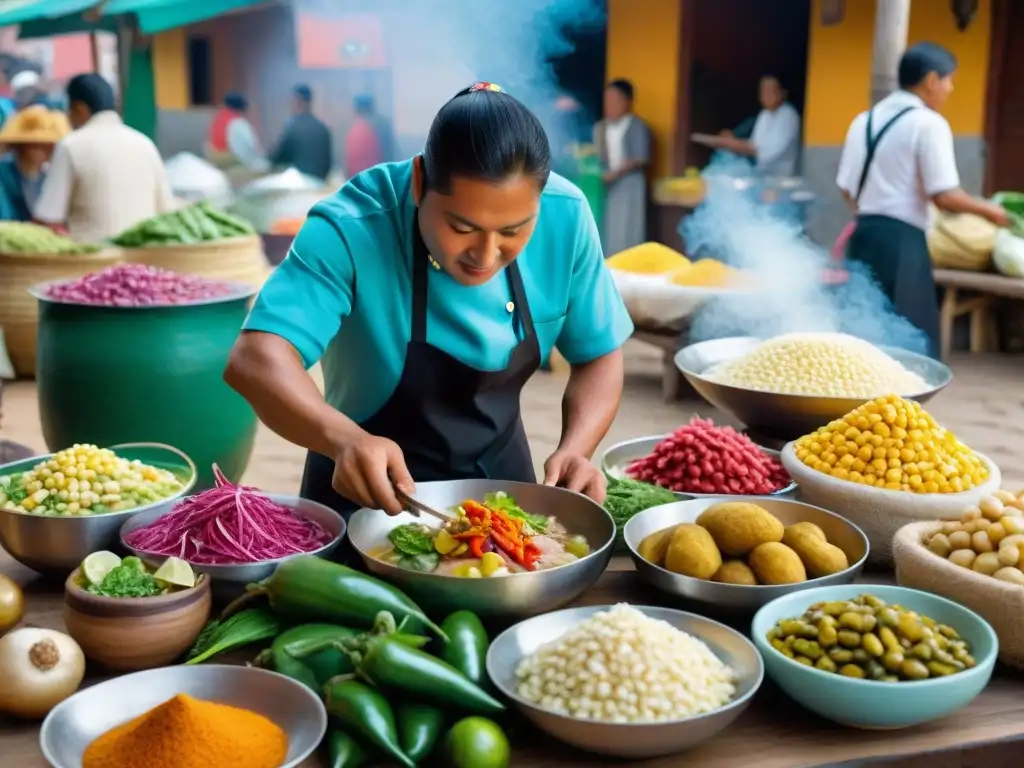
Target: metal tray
[[615, 460]]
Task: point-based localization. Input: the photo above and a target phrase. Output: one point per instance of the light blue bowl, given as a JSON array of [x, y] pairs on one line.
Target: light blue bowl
[[867, 703]]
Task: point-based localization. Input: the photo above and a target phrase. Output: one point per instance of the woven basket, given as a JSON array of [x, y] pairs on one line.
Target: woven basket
[[878, 512], [19, 311], [235, 260], [1001, 604]]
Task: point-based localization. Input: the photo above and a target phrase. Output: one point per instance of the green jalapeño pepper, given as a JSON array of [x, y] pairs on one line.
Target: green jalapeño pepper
[[388, 663], [345, 751], [419, 728], [466, 649], [300, 654], [309, 588], [367, 714]]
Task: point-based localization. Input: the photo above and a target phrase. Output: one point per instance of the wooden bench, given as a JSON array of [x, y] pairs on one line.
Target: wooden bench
[[983, 289]]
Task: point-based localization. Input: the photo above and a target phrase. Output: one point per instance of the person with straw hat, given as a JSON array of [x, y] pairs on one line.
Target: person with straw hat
[[30, 135]]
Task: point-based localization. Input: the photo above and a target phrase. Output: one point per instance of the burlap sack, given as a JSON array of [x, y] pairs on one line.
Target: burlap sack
[[880, 513], [999, 603]]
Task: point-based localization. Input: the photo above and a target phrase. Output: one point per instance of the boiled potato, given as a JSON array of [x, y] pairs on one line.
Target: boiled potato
[[738, 527], [775, 563]]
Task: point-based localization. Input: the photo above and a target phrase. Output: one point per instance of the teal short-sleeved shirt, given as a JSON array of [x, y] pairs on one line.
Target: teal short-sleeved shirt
[[343, 295]]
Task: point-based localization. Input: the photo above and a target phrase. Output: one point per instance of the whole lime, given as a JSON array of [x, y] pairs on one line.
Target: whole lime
[[476, 742]]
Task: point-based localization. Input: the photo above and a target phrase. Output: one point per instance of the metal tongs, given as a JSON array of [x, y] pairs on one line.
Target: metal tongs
[[416, 506]]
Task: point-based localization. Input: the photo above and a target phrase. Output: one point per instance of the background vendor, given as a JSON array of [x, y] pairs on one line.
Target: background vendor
[[774, 142], [30, 135], [432, 289]]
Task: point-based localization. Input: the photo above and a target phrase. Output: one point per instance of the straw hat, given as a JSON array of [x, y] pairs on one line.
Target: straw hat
[[35, 125]]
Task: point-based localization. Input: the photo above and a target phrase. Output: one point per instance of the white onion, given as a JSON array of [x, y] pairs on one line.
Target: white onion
[[39, 668]]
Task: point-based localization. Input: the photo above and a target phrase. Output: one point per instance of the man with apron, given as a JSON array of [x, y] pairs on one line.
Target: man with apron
[[898, 157], [432, 289]]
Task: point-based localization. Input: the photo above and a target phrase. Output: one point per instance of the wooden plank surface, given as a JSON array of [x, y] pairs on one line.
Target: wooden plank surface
[[773, 733]]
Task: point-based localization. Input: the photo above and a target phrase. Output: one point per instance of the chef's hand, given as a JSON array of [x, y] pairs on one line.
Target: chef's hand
[[576, 473], [364, 468], [998, 216]]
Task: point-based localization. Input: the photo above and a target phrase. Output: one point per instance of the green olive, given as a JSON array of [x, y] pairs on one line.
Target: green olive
[[840, 655], [872, 644], [825, 664], [804, 660], [852, 670], [921, 651], [854, 621], [808, 648], [827, 635], [892, 660], [912, 669], [12, 604], [938, 669], [849, 638]]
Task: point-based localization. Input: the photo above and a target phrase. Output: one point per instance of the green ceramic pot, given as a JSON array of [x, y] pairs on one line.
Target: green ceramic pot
[[108, 375]]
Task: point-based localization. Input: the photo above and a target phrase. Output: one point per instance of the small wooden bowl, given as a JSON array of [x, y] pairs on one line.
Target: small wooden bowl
[[133, 633]]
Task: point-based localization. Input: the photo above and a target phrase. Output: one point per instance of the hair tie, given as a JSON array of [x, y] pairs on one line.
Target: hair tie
[[485, 86]]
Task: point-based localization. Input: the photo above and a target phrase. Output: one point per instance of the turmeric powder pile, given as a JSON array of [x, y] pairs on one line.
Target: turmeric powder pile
[[189, 733]]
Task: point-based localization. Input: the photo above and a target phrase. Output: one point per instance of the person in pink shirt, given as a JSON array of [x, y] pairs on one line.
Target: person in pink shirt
[[370, 140]]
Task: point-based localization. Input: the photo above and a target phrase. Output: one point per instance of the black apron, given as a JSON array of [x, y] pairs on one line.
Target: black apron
[[451, 421], [897, 255]]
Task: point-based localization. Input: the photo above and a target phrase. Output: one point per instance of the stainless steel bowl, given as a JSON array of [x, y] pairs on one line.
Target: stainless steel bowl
[[231, 579], [73, 724], [617, 459], [736, 597], [788, 416], [515, 596], [56, 545], [640, 740]]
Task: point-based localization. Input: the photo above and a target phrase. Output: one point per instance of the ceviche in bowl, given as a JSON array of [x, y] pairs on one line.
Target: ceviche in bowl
[[512, 550], [485, 539]]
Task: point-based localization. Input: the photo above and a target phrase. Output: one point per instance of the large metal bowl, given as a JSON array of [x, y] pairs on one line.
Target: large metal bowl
[[515, 596], [788, 416], [231, 579], [57, 544], [639, 740], [73, 724], [736, 598], [616, 460]]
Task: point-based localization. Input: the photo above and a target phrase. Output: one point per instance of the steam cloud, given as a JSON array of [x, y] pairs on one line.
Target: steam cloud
[[437, 47], [786, 267]]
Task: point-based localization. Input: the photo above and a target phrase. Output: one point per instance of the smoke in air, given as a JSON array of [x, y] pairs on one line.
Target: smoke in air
[[786, 267], [437, 47]]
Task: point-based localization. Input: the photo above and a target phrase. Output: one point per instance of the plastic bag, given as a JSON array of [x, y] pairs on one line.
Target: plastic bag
[[1008, 254]]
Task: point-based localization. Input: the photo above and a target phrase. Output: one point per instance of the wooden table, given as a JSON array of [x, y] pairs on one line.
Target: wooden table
[[773, 733]]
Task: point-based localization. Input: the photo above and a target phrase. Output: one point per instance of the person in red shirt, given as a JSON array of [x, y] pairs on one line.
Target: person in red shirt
[[370, 140]]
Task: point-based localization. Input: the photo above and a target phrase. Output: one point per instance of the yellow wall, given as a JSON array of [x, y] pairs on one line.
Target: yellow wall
[[170, 69], [643, 47], [839, 67]]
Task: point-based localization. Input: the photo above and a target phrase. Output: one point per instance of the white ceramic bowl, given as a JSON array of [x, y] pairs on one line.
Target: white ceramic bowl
[[878, 512]]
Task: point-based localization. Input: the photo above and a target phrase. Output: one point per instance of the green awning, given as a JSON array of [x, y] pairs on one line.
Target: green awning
[[18, 11], [42, 18]]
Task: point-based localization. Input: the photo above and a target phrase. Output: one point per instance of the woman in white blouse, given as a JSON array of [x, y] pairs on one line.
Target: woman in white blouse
[[898, 157]]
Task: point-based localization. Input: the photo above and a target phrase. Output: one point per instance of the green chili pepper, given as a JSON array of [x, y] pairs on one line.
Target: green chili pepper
[[291, 654], [367, 714], [308, 588], [466, 649], [345, 751], [387, 662], [419, 728]]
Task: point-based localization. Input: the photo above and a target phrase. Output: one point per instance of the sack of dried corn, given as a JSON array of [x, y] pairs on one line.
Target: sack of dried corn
[[998, 602]]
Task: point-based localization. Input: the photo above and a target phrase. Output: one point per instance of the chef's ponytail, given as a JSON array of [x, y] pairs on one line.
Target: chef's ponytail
[[484, 133]]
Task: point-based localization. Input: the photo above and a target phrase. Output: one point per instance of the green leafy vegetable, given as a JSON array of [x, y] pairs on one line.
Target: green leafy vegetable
[[424, 563], [412, 539], [627, 498], [243, 628], [505, 503], [129, 579]]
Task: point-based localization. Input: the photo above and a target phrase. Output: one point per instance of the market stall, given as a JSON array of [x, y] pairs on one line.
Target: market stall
[[503, 624]]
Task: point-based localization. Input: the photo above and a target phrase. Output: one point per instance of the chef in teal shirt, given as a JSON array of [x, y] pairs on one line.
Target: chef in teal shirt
[[431, 290]]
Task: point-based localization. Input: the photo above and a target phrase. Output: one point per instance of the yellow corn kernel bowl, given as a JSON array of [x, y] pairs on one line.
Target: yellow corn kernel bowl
[[705, 273], [880, 512], [648, 259]]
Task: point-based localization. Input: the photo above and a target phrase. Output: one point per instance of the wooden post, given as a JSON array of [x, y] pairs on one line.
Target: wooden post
[[892, 20]]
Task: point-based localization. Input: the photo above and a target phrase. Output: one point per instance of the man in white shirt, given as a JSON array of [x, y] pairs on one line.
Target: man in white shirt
[[775, 142], [898, 157], [104, 177]]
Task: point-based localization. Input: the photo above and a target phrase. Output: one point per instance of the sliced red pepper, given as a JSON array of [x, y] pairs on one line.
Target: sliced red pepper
[[476, 546]]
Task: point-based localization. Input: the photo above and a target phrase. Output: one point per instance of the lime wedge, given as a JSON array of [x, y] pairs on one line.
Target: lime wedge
[[97, 565], [177, 572]]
